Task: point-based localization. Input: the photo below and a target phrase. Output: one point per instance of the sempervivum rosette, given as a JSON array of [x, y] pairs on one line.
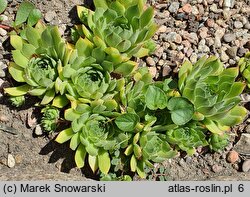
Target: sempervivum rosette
[[214, 93], [91, 135], [39, 55], [123, 25]]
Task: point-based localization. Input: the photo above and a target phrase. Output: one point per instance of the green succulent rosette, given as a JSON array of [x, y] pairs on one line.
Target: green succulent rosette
[[97, 133], [91, 135], [213, 91], [148, 147], [123, 25], [144, 144], [39, 54], [120, 30], [155, 147], [244, 64], [17, 101], [49, 118], [187, 138], [218, 142], [89, 83]]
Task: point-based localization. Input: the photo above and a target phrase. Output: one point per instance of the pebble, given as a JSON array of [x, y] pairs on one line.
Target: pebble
[[193, 58], [202, 46], [38, 130], [2, 74], [245, 9], [186, 43], [246, 165], [224, 57], [1, 82], [3, 118], [152, 71], [50, 15], [210, 22], [173, 8], [220, 32], [159, 52], [182, 162], [245, 98], [11, 161], [232, 62], [231, 52], [195, 10], [173, 37], [226, 13], [178, 39], [243, 145], [62, 28], [228, 3], [210, 41], [161, 62], [191, 37], [213, 8], [18, 159], [247, 25], [4, 17], [180, 56], [238, 24], [217, 42], [217, 168], [31, 122], [187, 8], [173, 47], [162, 29], [241, 52], [232, 156], [201, 9], [3, 32], [229, 37], [188, 159], [189, 52], [236, 166], [203, 32], [210, 1], [3, 65], [150, 61], [244, 20]]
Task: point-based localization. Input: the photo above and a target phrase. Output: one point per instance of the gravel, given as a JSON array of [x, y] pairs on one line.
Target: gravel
[[200, 28]]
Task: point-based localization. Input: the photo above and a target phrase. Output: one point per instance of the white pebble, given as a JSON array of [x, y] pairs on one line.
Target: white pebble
[[3, 32], [38, 130], [11, 161]]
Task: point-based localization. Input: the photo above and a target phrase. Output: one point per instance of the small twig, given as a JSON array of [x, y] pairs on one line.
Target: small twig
[[8, 129]]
